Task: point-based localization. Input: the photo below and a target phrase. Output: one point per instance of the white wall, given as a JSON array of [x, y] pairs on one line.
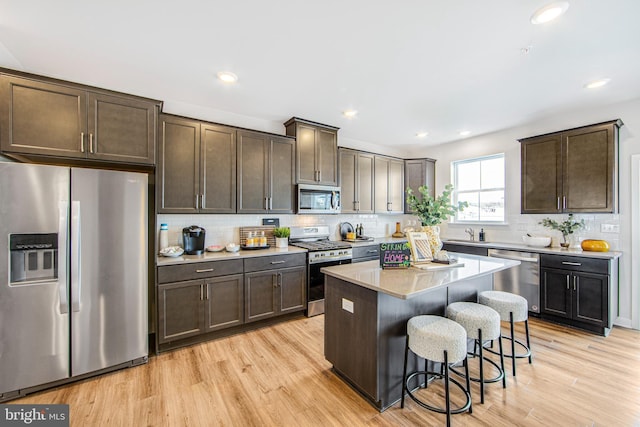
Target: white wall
[[506, 142]]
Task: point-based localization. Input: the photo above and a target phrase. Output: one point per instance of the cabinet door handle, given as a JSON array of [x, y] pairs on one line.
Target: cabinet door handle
[[575, 279], [319, 176], [82, 142], [279, 279], [197, 200], [201, 201], [266, 203], [278, 262], [270, 203], [571, 263], [274, 280], [558, 203], [91, 143], [201, 293], [564, 202], [567, 282], [207, 290], [205, 270]]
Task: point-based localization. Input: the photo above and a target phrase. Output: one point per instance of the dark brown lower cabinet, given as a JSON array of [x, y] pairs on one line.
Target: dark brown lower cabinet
[[274, 292], [197, 298], [574, 297], [195, 307]]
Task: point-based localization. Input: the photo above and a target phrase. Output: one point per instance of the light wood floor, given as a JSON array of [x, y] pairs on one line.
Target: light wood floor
[[277, 376]]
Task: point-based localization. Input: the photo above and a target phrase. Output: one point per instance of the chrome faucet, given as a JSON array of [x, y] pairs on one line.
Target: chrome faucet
[[470, 232]]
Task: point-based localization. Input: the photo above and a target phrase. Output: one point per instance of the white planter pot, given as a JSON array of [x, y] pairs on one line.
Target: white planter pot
[[282, 242]]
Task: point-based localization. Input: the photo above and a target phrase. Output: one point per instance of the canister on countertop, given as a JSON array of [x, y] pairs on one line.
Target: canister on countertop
[[164, 236]]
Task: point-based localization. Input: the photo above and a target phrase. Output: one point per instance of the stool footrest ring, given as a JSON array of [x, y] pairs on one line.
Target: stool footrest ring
[[486, 380], [459, 410], [524, 355]]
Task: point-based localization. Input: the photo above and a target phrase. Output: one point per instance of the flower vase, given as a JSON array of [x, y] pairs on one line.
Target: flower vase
[[282, 242], [433, 234]]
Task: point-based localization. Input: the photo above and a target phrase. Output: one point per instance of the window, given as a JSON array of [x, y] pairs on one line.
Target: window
[[480, 183]]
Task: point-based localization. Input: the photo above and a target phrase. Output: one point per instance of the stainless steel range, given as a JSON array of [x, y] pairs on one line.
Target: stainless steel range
[[322, 253]]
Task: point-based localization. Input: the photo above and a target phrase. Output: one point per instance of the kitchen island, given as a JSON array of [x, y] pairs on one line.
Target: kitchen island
[[367, 308]]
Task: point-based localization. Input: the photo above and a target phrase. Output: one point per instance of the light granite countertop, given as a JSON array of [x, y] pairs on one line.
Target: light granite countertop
[[224, 255], [524, 248], [408, 283]]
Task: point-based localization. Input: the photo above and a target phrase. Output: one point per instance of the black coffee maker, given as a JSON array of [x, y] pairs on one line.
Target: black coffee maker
[[193, 240]]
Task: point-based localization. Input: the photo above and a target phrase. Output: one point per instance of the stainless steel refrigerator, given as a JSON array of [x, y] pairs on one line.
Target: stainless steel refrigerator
[[73, 273]]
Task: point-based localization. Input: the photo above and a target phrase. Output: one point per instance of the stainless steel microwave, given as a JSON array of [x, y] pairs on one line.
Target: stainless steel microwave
[[318, 199]]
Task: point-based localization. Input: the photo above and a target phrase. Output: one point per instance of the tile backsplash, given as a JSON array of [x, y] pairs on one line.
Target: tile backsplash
[[223, 229]]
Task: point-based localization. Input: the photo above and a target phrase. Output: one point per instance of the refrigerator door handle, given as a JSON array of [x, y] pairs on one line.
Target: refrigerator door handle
[[75, 256], [63, 219]]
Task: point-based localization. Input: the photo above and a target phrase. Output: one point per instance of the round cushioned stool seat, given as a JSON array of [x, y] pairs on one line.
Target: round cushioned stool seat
[[473, 317], [430, 336], [505, 303]]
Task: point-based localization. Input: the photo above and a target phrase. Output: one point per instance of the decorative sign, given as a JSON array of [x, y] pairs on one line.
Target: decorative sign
[[395, 255]]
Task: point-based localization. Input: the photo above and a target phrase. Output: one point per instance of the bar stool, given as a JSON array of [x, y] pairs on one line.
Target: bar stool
[[512, 308], [481, 323], [437, 339]]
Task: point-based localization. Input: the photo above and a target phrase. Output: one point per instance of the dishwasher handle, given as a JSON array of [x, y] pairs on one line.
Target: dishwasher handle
[[514, 257]]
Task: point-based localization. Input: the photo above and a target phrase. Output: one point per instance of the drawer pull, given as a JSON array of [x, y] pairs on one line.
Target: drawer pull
[[372, 251], [278, 262], [571, 263], [206, 270]]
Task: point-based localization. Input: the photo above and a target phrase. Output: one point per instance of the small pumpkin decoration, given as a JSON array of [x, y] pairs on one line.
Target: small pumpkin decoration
[[595, 245]]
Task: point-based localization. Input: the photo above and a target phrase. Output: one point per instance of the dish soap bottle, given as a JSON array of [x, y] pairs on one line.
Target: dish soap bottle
[[481, 235]]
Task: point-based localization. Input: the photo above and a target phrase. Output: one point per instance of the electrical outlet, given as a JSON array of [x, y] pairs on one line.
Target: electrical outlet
[[609, 228], [347, 305]]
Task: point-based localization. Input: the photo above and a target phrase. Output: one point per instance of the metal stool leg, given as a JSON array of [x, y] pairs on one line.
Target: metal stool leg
[[513, 346], [504, 376], [446, 388], [404, 372], [481, 367], [466, 374], [526, 327]]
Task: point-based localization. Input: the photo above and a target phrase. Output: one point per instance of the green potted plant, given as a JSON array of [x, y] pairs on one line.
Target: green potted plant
[[566, 227], [432, 211], [282, 236]]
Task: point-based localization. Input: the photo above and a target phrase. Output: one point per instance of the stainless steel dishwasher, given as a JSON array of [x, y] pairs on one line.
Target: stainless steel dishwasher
[[523, 280]]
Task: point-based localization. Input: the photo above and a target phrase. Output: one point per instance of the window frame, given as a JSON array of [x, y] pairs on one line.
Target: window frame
[[456, 192]]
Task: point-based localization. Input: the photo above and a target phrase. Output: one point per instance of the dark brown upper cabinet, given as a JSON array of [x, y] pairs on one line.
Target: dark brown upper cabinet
[[45, 117], [316, 151], [356, 181], [265, 173], [573, 171], [389, 185], [418, 172], [196, 167]]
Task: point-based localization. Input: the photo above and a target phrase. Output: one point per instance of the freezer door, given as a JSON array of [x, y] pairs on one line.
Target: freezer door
[[34, 312], [108, 268]]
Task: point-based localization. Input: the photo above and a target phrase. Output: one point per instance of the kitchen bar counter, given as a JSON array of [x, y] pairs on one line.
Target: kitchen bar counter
[[367, 309], [224, 255], [524, 248], [411, 282]]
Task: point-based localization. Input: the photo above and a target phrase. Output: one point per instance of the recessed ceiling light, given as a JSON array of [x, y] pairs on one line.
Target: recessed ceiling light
[[596, 83], [422, 134], [350, 113], [227, 77], [549, 12], [465, 133]]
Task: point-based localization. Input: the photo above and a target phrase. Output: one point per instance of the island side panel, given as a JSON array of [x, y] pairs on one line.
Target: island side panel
[[393, 314], [469, 289], [350, 339]]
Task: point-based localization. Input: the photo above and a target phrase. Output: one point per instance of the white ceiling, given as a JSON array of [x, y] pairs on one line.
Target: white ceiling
[[440, 66]]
